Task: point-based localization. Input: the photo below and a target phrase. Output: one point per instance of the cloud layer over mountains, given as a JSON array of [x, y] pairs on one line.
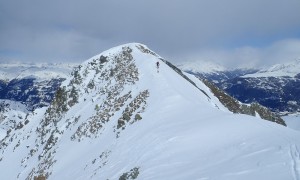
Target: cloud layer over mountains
[[231, 32]]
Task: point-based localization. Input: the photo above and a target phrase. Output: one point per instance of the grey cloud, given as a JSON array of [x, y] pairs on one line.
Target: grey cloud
[[77, 29], [246, 57]]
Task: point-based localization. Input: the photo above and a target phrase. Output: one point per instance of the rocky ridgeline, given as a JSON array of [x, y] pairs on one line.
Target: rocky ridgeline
[[235, 106]]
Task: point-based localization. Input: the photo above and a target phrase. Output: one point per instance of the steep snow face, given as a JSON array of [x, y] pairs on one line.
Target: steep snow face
[[119, 117], [279, 70]]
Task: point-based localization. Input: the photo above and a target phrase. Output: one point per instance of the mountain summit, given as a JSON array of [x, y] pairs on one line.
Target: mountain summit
[[118, 117]]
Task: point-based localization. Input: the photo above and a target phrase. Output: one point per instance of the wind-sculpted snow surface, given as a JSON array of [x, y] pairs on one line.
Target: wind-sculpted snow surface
[[116, 117]]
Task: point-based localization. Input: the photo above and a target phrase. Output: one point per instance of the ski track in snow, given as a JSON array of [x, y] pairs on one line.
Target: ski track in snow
[[295, 156], [257, 152], [294, 153]]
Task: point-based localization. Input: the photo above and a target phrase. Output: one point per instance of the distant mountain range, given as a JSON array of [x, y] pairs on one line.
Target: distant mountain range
[[32, 84], [39, 71], [277, 87]]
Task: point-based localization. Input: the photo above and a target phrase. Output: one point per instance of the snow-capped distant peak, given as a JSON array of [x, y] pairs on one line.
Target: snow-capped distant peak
[[279, 70], [201, 67], [40, 71]]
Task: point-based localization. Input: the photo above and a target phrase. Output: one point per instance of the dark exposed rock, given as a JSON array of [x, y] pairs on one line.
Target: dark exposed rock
[[103, 59], [234, 106], [137, 117], [136, 106], [132, 174]]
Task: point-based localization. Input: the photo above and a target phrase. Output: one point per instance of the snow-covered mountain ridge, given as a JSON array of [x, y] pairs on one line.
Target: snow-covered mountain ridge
[[291, 69], [117, 117]]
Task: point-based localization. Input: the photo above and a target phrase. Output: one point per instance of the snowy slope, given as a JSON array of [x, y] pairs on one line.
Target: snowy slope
[[118, 118], [293, 121]]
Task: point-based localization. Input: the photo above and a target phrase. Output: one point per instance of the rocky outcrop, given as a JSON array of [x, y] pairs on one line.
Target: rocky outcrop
[[235, 106]]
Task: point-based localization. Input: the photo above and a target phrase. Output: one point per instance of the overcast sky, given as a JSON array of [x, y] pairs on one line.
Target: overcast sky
[[229, 32]]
